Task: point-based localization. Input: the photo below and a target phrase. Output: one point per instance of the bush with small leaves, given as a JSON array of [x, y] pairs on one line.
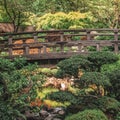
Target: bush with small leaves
[[114, 77], [118, 116], [108, 105], [62, 96], [108, 68], [88, 115], [97, 78], [6, 65], [16, 89], [19, 62], [72, 65], [100, 58]]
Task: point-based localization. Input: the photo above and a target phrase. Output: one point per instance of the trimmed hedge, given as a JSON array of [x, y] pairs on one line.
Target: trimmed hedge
[[88, 115]]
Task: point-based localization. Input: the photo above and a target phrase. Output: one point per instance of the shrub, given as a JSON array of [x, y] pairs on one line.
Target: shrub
[[72, 65], [118, 116], [16, 90], [61, 20], [96, 78], [108, 68], [88, 115], [114, 77], [62, 96], [109, 105], [19, 62], [6, 65], [100, 58]]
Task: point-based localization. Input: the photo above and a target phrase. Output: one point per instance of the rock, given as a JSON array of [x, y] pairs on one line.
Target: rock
[[56, 110], [50, 117], [44, 113], [56, 119]]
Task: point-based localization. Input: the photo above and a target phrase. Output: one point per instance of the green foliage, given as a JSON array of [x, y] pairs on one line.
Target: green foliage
[[15, 12], [100, 12], [100, 58], [118, 116], [13, 85], [6, 65], [88, 115], [109, 68], [97, 78], [61, 20], [62, 96], [72, 65], [8, 113], [60, 73], [109, 105], [19, 62], [48, 71], [114, 77]]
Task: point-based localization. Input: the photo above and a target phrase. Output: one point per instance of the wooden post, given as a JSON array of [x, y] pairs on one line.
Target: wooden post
[[10, 45], [88, 34], [62, 47], [35, 37], [44, 49], [61, 36], [39, 49], [98, 46], [116, 34], [116, 49], [80, 47], [26, 50]]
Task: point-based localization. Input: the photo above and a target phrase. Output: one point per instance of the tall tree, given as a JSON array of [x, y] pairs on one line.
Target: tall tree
[[16, 11], [107, 11]]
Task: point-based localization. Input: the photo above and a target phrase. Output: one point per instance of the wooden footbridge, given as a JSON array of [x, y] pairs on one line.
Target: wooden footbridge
[[58, 44]]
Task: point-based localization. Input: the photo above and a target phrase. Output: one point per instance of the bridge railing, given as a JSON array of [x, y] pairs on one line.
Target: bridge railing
[[55, 44]]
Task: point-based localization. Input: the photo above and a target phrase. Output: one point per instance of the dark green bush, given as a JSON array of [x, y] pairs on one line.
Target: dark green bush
[[90, 78], [118, 116], [19, 62], [108, 105], [60, 74], [88, 115], [100, 58], [13, 99], [108, 68], [6, 65], [62, 96], [114, 77], [72, 65]]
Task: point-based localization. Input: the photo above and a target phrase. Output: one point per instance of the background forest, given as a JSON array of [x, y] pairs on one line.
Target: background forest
[[63, 14]]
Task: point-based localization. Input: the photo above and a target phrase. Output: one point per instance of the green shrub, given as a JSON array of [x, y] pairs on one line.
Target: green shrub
[[114, 77], [6, 65], [108, 68], [60, 73], [62, 96], [61, 20], [100, 58], [72, 65], [13, 84], [96, 78], [88, 115], [19, 62], [108, 105], [118, 116]]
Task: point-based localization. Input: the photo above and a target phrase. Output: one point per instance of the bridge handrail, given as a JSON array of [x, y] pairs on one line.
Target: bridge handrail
[[65, 39]]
